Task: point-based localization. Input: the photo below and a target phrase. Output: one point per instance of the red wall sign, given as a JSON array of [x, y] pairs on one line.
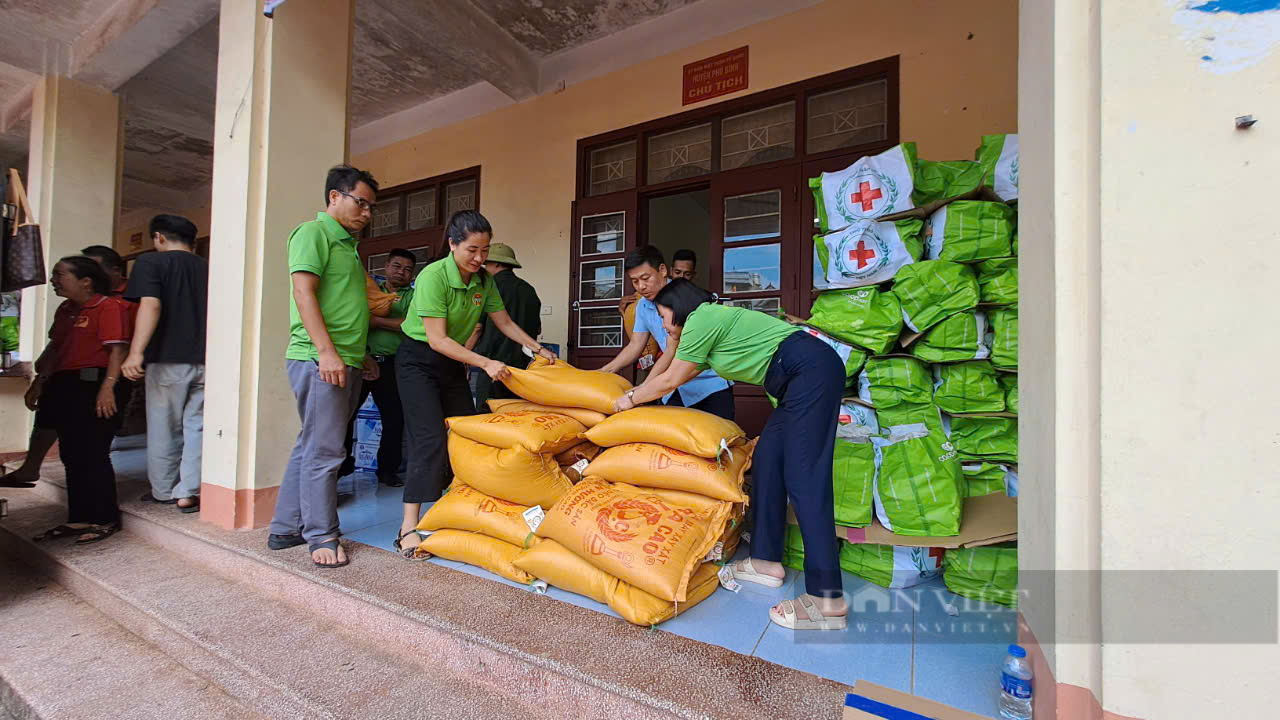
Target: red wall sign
[[720, 75]]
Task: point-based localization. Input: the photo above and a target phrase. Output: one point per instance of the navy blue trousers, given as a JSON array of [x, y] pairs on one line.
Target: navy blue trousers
[[717, 403], [793, 459]]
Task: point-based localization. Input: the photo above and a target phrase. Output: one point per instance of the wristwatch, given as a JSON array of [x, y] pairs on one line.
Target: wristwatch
[[631, 395]]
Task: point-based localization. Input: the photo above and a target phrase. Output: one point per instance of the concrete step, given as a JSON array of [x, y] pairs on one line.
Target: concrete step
[[513, 645], [261, 657], [61, 658]]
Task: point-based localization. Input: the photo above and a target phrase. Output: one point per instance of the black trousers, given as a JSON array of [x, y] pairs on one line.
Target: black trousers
[[487, 389], [432, 388], [85, 444], [717, 403], [793, 459], [386, 393]]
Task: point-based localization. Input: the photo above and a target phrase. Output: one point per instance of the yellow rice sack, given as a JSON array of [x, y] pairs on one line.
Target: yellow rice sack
[[551, 562], [655, 466], [465, 508], [589, 418], [684, 429], [537, 432], [514, 474], [472, 548], [584, 450], [379, 302], [562, 385], [653, 539]]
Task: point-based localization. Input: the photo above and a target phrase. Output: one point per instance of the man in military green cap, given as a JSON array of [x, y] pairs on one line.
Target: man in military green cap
[[524, 307]]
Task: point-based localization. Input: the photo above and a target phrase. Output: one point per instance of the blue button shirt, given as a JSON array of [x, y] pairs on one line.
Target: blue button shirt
[[703, 384]]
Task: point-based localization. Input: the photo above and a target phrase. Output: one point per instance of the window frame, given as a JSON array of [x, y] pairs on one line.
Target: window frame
[[431, 236]]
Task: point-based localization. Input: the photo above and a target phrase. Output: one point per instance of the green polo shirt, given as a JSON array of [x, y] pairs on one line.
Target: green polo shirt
[[385, 342], [440, 293], [736, 342], [325, 249]]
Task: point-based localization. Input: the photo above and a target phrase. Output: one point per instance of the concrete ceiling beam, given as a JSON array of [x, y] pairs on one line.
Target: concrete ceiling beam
[[132, 35]]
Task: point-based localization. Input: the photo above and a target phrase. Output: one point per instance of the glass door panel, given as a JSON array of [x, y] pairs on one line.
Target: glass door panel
[[604, 230]]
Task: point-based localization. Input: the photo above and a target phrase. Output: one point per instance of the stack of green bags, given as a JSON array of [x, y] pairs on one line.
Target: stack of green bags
[[988, 574], [854, 466], [889, 566]]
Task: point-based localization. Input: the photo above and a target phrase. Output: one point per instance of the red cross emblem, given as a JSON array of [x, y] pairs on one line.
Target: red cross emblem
[[936, 552], [862, 254], [866, 196]]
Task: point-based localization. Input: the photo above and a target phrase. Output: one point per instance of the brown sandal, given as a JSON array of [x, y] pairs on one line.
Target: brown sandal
[[97, 533]]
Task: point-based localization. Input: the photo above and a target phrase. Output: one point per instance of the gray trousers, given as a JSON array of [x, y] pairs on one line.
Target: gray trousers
[[175, 429], [308, 499]]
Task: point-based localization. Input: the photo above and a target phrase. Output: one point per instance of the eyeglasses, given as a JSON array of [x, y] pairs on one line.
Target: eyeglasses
[[364, 204]]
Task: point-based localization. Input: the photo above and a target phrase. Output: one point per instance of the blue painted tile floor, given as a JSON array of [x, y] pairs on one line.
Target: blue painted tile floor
[[923, 640]]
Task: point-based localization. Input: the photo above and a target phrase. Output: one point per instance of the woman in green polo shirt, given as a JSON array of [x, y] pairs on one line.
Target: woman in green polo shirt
[[449, 297], [794, 456]]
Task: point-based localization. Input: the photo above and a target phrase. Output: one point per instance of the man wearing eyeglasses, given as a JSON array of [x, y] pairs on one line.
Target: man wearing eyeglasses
[[326, 360]]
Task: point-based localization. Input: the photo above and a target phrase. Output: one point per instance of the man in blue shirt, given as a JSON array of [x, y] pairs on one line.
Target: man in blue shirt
[[647, 270]]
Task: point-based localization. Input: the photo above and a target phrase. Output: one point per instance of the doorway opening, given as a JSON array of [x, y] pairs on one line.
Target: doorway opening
[[682, 222]]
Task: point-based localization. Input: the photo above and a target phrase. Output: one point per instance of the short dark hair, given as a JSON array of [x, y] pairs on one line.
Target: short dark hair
[[683, 297], [109, 258], [83, 267], [402, 253], [464, 223], [685, 254], [174, 228], [344, 178], [647, 254]]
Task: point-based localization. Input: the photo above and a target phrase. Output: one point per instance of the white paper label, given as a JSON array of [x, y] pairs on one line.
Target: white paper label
[[646, 362], [533, 517], [539, 587], [581, 465], [716, 553], [726, 579]]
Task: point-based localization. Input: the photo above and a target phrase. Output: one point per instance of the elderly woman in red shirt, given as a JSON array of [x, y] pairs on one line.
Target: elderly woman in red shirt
[[83, 396]]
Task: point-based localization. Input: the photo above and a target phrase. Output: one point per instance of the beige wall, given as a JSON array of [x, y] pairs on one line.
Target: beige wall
[[137, 221], [1190, 452], [953, 90]]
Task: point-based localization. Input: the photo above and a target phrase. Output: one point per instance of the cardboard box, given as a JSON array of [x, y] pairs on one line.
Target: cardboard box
[[869, 701], [985, 520]]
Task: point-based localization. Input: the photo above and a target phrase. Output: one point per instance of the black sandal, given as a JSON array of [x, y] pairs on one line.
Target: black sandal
[[60, 531], [327, 545], [408, 553], [192, 508], [284, 542], [97, 533], [7, 481]]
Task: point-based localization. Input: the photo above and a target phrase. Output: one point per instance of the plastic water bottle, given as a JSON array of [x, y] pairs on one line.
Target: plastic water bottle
[[1015, 685]]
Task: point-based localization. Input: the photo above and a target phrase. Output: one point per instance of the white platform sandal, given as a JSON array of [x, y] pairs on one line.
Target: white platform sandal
[[745, 572], [813, 618]]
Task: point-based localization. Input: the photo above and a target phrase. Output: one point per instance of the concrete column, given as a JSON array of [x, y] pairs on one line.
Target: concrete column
[[281, 122], [73, 183]]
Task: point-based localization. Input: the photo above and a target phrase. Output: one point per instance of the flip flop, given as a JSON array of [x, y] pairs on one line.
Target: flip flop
[[813, 620], [745, 572], [153, 499], [6, 480], [60, 531], [408, 553], [327, 545], [284, 542], [194, 507], [97, 533]]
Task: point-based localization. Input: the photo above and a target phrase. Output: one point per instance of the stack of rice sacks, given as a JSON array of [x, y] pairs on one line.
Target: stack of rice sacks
[[639, 505], [928, 298]]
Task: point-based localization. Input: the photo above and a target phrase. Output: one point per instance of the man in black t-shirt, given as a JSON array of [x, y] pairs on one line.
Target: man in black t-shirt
[[172, 288]]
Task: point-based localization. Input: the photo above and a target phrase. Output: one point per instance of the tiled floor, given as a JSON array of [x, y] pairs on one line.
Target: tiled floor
[[923, 640]]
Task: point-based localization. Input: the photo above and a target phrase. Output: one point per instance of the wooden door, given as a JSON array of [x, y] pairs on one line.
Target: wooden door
[[604, 229], [756, 253]]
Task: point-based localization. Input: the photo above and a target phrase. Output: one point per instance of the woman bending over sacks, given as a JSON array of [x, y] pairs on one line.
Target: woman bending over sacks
[[449, 297], [794, 456]]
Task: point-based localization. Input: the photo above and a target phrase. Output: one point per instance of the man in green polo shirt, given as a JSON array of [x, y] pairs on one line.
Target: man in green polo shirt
[[326, 360], [384, 339]]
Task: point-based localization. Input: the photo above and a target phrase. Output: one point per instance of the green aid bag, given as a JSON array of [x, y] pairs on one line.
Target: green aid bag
[[933, 290], [998, 156], [873, 186], [891, 566], [969, 231], [8, 333], [854, 466], [998, 281], [852, 357], [888, 381], [918, 482], [985, 438], [1009, 381], [865, 253], [911, 414], [1003, 326], [793, 548], [863, 316], [961, 337], [944, 179], [967, 387], [988, 574], [988, 479]]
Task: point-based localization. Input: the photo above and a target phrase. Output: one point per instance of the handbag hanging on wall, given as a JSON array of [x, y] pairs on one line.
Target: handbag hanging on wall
[[22, 263]]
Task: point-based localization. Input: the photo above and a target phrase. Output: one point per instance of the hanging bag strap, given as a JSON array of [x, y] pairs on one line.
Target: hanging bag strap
[[25, 216]]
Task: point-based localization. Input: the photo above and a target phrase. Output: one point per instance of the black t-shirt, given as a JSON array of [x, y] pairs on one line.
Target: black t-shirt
[[180, 281]]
